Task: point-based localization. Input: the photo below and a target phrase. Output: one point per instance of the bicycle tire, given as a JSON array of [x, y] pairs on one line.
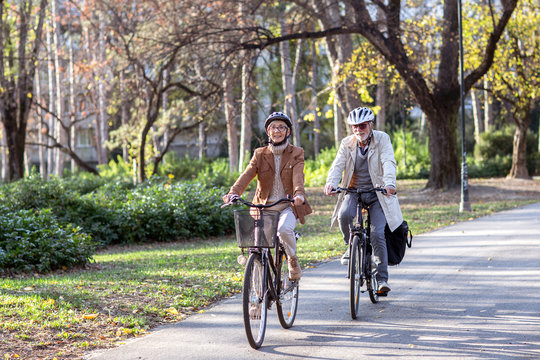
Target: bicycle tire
[[371, 277], [254, 301], [356, 264], [287, 305]]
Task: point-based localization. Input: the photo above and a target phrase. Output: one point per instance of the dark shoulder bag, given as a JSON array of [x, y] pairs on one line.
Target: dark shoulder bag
[[397, 241]]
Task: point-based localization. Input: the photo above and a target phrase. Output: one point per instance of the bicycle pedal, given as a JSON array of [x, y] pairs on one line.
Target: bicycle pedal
[[382, 293]]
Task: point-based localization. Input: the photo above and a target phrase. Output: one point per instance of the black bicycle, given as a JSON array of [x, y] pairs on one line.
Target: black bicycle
[[266, 277], [362, 271]]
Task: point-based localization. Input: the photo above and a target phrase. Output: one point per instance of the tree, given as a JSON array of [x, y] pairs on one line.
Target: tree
[[437, 93], [20, 43], [516, 76], [154, 40]]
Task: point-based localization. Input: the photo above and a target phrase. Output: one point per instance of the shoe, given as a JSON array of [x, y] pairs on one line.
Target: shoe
[[345, 258], [295, 273], [383, 287], [255, 312]]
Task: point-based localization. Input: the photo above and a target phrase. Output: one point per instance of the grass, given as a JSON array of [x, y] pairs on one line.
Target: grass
[[128, 290]]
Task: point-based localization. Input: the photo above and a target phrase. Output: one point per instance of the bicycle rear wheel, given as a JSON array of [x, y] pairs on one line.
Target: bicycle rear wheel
[[254, 301], [287, 305], [356, 271], [371, 277]]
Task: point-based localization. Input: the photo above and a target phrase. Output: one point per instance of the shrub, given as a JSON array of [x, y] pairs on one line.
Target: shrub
[[33, 240], [167, 212], [316, 170], [63, 200], [415, 153]]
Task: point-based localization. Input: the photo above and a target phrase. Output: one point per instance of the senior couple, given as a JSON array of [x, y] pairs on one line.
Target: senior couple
[[364, 160]]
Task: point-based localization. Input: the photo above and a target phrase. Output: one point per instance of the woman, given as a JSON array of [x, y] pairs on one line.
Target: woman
[[279, 168]]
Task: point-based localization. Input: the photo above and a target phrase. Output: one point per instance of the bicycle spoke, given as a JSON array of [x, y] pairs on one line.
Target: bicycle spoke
[[288, 295], [254, 301]]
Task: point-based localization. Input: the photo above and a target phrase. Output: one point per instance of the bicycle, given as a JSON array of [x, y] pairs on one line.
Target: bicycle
[[266, 278], [362, 268]]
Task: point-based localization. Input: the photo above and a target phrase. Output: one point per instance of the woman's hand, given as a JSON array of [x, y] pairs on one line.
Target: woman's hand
[[227, 198], [299, 200]]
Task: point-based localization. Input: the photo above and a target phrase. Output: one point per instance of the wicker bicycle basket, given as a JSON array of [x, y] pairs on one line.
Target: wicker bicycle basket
[[254, 230]]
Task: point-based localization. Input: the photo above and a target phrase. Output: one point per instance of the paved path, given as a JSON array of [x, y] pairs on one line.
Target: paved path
[[468, 291]]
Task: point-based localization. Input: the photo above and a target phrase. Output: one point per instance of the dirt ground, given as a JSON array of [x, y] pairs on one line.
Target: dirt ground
[[480, 190]]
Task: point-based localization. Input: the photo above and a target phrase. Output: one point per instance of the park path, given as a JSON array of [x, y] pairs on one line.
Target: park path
[[468, 291]]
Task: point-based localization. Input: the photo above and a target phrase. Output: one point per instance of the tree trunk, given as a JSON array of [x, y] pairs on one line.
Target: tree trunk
[[164, 106], [124, 114], [102, 107], [232, 131], [381, 98], [245, 115], [3, 152], [40, 127], [51, 151], [59, 130], [72, 110], [202, 141], [519, 152], [488, 107], [314, 100], [289, 93], [445, 171], [478, 124]]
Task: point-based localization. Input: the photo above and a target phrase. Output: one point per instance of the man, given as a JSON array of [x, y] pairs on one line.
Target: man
[[366, 160], [279, 168]]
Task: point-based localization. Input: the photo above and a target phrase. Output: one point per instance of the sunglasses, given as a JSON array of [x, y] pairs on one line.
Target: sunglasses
[[362, 126]]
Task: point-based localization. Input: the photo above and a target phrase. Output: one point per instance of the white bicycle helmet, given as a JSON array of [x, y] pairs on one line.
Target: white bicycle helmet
[[360, 115]]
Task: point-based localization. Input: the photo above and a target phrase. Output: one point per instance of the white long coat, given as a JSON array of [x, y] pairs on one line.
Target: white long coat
[[382, 170]]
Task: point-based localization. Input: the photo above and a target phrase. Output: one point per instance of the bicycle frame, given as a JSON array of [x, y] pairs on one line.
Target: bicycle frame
[[358, 228]]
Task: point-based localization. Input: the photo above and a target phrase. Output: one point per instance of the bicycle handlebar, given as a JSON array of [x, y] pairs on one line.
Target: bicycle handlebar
[[357, 191], [258, 206]]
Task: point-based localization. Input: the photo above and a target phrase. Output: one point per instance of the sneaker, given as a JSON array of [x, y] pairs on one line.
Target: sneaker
[[383, 287], [345, 258], [295, 273], [255, 312]]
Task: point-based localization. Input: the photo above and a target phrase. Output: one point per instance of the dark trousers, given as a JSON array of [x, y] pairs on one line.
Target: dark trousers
[[346, 214]]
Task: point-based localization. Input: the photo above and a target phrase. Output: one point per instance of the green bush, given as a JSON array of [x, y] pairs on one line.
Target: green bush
[[34, 240], [415, 153], [65, 202], [316, 170], [167, 212]]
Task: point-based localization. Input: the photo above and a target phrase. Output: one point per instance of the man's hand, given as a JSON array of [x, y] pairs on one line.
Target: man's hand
[[390, 190], [329, 190], [299, 200]]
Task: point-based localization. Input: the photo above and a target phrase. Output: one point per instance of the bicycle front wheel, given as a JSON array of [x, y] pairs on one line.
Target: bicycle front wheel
[[356, 271], [371, 277], [287, 304], [254, 301]]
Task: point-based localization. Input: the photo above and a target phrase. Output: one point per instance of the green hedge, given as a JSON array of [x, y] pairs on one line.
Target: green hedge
[[116, 213], [35, 241]]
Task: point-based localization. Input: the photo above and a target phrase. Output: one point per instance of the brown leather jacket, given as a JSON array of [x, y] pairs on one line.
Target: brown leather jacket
[[292, 176]]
